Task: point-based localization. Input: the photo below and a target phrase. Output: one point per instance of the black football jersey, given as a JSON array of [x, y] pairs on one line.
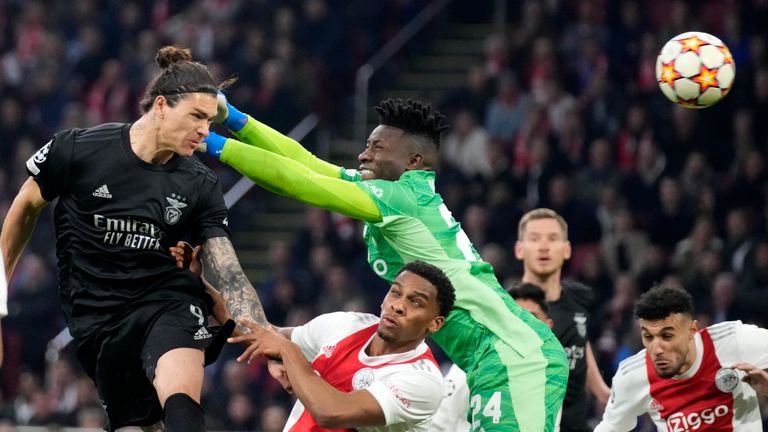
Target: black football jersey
[[117, 216], [569, 315]]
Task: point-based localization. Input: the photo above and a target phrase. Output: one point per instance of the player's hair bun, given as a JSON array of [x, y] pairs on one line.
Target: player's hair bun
[[169, 55]]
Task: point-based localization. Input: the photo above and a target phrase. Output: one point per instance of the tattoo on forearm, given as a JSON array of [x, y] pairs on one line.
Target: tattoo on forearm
[[223, 271]]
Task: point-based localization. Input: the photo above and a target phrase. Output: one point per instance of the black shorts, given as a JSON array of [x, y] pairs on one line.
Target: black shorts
[[121, 357]]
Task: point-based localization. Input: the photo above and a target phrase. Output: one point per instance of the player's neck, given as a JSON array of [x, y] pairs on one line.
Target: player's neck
[[144, 143], [380, 347], [549, 283]]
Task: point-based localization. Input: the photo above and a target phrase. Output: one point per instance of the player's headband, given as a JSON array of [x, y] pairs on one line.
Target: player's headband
[[204, 89]]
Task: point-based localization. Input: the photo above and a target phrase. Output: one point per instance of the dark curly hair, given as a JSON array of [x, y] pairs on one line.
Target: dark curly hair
[[445, 293], [529, 291], [662, 301], [413, 117]]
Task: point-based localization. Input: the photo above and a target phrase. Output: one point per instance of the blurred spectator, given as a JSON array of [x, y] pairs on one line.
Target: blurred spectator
[[507, 110], [466, 147], [671, 221], [624, 250]]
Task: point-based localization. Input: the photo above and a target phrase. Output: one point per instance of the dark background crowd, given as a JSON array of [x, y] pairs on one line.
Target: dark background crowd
[[560, 110]]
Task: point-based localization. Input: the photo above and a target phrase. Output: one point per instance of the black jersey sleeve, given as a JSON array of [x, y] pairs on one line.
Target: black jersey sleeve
[[51, 165], [211, 219]]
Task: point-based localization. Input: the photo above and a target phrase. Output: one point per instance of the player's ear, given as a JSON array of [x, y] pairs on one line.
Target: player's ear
[[518, 250], [436, 324], [159, 106], [416, 161], [694, 327]]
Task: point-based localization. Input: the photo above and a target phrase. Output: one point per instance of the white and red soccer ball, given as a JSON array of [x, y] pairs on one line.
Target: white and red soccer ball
[[695, 70]]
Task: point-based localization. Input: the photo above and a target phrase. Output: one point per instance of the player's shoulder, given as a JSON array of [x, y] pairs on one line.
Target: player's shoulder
[[632, 371], [97, 134], [724, 329], [581, 293], [346, 320], [199, 169]]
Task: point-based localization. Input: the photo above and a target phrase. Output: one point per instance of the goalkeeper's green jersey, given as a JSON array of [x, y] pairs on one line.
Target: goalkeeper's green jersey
[[417, 225]]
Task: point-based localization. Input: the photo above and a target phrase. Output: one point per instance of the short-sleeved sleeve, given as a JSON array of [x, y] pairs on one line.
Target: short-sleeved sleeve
[[753, 344], [629, 396], [212, 219], [407, 397], [51, 164], [452, 413], [392, 198]]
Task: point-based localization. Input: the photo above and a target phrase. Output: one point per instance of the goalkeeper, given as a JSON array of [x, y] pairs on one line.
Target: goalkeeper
[[516, 369]]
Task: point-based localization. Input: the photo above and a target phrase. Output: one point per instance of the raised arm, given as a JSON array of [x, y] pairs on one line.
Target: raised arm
[[252, 132], [223, 271], [287, 177]]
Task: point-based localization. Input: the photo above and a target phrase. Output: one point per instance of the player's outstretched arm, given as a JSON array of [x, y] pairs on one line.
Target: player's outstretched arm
[[251, 131], [223, 270], [331, 408], [287, 177]]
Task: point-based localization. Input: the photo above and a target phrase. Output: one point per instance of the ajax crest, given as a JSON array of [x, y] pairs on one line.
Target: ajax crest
[[173, 211]]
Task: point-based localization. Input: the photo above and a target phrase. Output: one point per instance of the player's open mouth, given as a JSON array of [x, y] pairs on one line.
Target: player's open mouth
[[388, 322]]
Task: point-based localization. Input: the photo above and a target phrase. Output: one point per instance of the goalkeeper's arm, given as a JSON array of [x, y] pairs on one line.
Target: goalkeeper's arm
[[288, 177], [251, 131]]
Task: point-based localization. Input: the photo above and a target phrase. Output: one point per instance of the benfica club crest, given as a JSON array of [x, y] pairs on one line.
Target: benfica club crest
[[173, 211]]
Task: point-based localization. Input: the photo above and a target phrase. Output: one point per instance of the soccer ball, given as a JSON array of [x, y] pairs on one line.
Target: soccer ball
[[695, 70]]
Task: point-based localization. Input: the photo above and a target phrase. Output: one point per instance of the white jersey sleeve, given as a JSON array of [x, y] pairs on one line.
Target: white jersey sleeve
[[451, 415], [408, 397], [3, 289], [753, 344], [327, 329], [630, 396]]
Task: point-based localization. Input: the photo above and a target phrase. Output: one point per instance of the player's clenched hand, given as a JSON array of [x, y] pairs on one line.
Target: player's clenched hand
[[278, 372], [756, 377], [263, 341], [187, 256]]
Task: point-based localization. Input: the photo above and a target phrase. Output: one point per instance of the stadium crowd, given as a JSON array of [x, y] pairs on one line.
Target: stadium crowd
[[561, 110]]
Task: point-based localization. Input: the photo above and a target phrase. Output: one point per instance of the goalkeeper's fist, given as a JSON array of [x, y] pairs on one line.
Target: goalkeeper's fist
[[228, 115], [213, 144]]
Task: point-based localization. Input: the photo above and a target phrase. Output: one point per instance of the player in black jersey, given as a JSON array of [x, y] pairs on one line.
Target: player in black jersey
[[543, 247], [126, 194]]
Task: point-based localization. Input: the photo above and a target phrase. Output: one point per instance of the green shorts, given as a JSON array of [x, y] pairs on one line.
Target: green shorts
[[508, 392]]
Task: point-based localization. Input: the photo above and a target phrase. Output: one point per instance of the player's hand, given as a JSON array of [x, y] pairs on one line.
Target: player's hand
[[756, 377], [222, 112], [278, 372], [228, 115], [263, 341], [187, 257]]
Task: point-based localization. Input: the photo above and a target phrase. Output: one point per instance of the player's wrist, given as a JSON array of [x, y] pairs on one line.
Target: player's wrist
[[214, 144], [236, 119]]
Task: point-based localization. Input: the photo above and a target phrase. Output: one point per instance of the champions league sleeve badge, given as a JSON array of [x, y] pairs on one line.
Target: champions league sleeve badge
[[727, 379]]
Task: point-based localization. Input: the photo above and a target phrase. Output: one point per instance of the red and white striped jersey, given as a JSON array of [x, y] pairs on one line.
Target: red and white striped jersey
[[691, 401], [408, 386]]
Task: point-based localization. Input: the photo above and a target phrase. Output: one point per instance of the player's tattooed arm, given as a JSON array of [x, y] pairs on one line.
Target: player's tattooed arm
[[223, 271]]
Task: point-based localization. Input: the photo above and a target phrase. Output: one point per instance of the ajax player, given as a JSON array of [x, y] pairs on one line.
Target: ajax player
[[375, 373], [688, 379]]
